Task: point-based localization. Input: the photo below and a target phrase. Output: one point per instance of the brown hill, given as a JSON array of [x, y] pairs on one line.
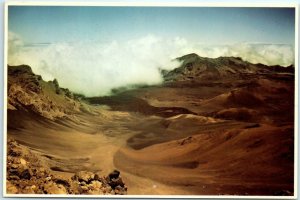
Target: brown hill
[[227, 130], [194, 67], [29, 92]]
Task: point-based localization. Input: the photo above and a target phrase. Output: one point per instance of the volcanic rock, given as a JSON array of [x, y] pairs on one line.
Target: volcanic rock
[[30, 176]]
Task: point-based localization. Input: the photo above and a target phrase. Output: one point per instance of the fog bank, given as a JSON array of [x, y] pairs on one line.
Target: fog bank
[[93, 68]]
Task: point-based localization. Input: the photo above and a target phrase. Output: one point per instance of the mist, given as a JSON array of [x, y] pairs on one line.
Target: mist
[[94, 68]]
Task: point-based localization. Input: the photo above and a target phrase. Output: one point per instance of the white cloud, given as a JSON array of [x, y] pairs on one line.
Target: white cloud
[[15, 44], [94, 68], [268, 54]]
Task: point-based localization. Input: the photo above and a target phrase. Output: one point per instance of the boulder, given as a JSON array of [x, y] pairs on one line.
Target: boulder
[[10, 188], [26, 174], [84, 176], [114, 174], [53, 188]]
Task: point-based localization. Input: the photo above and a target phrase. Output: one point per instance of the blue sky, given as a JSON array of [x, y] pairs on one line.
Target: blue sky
[[202, 25]]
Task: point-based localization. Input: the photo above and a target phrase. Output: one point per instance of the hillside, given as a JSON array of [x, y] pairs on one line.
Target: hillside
[[214, 127], [36, 110], [29, 92], [194, 67]]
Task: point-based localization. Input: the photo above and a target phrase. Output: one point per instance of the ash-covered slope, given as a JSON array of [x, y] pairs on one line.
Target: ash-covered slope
[[29, 92], [194, 67], [216, 126], [49, 138]]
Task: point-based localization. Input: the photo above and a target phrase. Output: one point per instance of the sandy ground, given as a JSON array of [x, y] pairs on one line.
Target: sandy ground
[[92, 146], [215, 139], [193, 155]]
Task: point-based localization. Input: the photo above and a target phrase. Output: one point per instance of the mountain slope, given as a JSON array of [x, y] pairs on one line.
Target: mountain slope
[[29, 92], [215, 126], [194, 67]]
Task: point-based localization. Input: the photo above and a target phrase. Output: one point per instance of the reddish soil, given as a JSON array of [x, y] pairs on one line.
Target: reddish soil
[[190, 137]]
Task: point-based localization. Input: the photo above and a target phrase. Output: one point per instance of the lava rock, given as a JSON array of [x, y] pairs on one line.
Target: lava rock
[[10, 188], [84, 176], [53, 188], [114, 175], [26, 174], [120, 190]]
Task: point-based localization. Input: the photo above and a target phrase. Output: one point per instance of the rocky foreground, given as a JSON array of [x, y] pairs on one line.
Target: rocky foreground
[[27, 174]]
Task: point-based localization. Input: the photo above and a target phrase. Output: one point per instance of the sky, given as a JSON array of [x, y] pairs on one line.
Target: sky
[[204, 25], [92, 50]]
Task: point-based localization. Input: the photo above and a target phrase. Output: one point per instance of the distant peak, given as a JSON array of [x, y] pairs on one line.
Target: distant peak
[[188, 56]]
